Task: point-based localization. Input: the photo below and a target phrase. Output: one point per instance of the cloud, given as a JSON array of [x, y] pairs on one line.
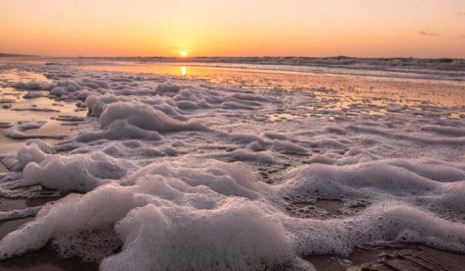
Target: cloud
[[430, 34], [460, 14]]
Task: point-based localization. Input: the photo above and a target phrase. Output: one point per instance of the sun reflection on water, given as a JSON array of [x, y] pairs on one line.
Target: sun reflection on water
[[334, 92]]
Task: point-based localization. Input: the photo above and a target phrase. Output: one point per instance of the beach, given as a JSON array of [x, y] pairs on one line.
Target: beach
[[118, 164]]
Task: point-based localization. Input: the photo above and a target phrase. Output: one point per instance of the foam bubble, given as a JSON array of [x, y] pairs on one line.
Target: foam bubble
[[75, 173], [118, 129], [157, 195], [220, 239], [145, 117]]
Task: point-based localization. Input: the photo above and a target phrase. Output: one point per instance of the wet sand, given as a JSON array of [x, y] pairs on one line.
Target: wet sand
[[348, 89], [20, 110], [11, 225], [3, 169], [391, 257], [12, 204], [8, 145], [382, 257], [387, 257], [45, 259]]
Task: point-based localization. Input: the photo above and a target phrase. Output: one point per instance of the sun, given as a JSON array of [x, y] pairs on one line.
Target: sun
[[183, 53]]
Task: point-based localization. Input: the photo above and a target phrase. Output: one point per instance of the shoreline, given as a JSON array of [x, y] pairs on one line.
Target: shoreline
[[431, 72], [351, 135]]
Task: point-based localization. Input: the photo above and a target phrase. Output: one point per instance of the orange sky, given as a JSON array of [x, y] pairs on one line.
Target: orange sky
[[364, 28]]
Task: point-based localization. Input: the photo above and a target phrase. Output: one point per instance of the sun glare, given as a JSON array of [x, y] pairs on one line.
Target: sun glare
[[183, 53]]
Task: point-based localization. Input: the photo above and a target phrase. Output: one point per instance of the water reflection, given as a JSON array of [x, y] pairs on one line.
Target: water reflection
[[334, 92]]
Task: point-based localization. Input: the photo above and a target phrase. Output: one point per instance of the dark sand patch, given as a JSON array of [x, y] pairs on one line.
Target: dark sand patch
[[331, 206], [392, 257], [9, 226], [35, 268], [13, 204], [326, 262], [45, 259]]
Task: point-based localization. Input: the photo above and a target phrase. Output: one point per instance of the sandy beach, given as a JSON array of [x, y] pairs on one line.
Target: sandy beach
[[231, 168], [242, 135]]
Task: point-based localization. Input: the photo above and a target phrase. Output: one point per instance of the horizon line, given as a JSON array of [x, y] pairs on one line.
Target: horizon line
[[250, 56]]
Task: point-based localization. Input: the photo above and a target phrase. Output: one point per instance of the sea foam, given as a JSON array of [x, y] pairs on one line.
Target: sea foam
[[174, 174]]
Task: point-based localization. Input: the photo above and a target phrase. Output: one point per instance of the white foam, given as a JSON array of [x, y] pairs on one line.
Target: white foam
[[145, 117], [167, 88], [30, 153], [74, 173], [68, 216], [221, 239], [33, 85], [32, 95], [158, 197], [34, 150], [385, 222], [118, 129]]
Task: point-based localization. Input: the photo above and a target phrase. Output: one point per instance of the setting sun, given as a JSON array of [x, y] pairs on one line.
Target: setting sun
[[232, 135], [361, 28]]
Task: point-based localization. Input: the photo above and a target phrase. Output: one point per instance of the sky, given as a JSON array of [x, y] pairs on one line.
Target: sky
[[360, 28]]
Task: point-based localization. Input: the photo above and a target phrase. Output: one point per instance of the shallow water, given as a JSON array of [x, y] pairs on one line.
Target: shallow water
[[231, 168], [349, 88], [39, 109]]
